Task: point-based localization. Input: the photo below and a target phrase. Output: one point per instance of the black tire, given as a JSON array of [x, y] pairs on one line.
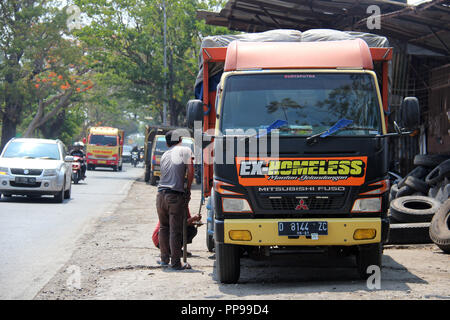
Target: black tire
[[440, 227], [120, 168], [429, 160], [439, 173], [392, 220], [76, 178], [404, 191], [418, 172], [409, 233], [68, 193], [59, 198], [368, 255], [417, 184], [227, 262], [115, 168], [414, 208], [209, 241], [393, 192]]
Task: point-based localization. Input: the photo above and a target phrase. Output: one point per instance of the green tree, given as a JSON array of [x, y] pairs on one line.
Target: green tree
[[128, 36], [34, 47]]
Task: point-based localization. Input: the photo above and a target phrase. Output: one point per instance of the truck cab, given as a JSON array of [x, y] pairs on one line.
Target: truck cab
[[300, 153], [104, 147]]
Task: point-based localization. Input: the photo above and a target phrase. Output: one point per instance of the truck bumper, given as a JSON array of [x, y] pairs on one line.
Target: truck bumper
[[264, 232], [102, 163]]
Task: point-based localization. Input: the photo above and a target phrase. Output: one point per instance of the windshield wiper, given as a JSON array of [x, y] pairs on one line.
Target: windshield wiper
[[28, 157], [337, 126], [47, 158]]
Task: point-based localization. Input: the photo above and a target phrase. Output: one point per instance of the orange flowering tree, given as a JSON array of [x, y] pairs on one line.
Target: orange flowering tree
[[63, 79]]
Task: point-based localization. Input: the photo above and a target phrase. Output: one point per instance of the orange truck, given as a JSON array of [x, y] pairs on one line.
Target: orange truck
[[326, 187], [104, 147]]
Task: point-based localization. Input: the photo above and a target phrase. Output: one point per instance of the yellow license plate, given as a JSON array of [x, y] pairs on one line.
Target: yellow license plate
[[102, 162]]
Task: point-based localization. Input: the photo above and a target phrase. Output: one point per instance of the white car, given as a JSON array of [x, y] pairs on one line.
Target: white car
[[35, 167]]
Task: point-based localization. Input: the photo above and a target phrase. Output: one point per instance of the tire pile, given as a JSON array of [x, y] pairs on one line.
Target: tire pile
[[420, 204]]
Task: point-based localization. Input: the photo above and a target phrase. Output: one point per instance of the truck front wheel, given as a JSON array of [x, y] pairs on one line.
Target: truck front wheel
[[366, 256], [227, 262]]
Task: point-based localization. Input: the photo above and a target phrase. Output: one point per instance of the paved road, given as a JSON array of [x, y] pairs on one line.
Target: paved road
[[38, 236]]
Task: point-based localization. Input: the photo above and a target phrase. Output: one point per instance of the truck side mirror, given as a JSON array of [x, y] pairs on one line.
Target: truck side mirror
[[410, 113], [194, 112], [84, 140]]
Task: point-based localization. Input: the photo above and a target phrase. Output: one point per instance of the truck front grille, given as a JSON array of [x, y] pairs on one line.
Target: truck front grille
[[291, 203]]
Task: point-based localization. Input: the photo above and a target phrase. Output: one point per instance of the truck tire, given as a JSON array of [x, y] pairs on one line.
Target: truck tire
[[210, 223], [440, 227], [418, 172], [227, 262], [209, 241], [368, 255], [429, 160], [393, 192], [409, 233], [404, 191], [414, 208], [439, 173], [417, 184]]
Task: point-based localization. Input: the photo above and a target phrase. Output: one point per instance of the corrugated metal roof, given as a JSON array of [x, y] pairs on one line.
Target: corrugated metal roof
[[426, 25]]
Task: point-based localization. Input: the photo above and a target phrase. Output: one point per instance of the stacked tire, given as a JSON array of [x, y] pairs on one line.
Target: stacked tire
[[416, 199]]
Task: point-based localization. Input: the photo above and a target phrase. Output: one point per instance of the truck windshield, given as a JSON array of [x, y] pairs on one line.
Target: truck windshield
[[161, 145], [102, 140], [309, 103]]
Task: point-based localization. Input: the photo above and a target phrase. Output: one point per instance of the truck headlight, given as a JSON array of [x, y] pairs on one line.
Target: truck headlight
[[367, 205], [235, 205], [3, 171], [49, 172]]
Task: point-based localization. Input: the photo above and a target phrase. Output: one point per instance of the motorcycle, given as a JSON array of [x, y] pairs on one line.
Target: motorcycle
[[76, 169], [134, 158]]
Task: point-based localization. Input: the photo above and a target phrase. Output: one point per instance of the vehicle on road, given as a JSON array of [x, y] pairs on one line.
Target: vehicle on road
[[152, 153], [104, 148], [312, 172], [159, 147], [126, 154], [134, 158], [77, 174], [36, 167]]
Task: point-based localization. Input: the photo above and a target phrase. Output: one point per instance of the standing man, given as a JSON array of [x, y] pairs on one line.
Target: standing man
[[172, 198]]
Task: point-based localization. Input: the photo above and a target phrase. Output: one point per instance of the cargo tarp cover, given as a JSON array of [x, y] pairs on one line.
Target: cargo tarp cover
[[280, 35]]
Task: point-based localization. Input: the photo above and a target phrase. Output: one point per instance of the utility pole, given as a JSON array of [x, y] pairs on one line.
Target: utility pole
[[165, 66]]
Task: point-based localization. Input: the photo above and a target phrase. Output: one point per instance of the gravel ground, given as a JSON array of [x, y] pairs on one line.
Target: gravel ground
[[116, 259]]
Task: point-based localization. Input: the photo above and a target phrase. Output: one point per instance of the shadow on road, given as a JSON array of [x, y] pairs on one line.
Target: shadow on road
[[32, 199], [312, 273]]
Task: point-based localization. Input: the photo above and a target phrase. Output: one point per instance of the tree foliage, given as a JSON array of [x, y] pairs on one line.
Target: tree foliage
[[55, 81]]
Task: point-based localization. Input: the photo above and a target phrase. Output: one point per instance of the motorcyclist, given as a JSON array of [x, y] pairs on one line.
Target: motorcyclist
[[136, 149], [78, 152]]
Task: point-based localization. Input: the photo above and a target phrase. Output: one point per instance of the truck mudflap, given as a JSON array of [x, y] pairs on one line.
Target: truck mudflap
[[334, 231]]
